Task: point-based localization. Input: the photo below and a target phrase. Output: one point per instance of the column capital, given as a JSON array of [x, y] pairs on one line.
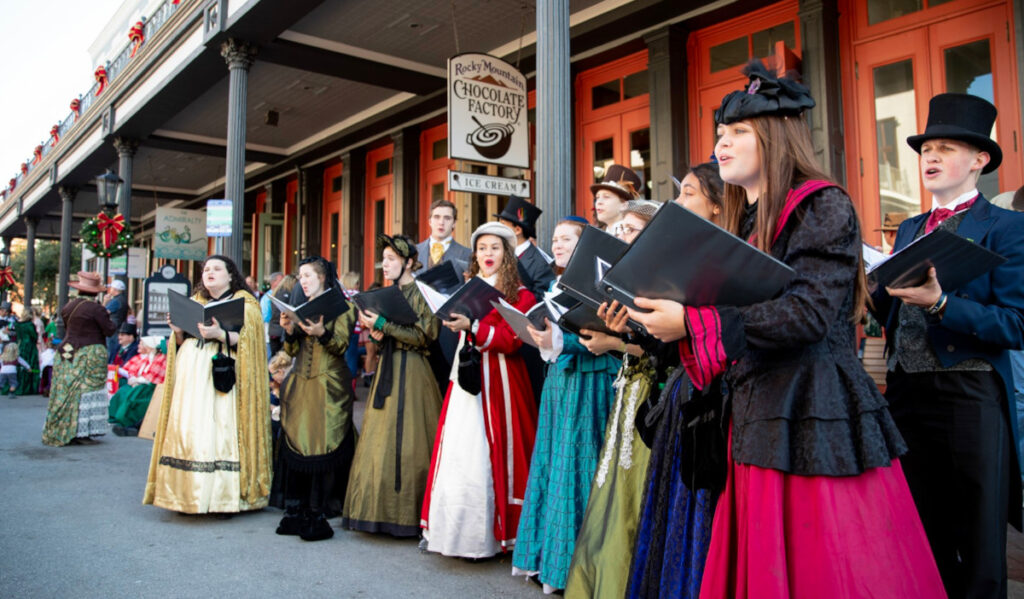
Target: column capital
[[31, 221], [67, 192], [238, 54], [126, 146]]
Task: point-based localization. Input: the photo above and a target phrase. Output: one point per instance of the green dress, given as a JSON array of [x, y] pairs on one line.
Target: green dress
[[128, 406], [600, 563], [389, 470], [28, 378]]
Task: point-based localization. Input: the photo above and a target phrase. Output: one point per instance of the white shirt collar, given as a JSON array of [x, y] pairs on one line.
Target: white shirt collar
[[961, 199], [491, 280], [447, 241], [522, 248]]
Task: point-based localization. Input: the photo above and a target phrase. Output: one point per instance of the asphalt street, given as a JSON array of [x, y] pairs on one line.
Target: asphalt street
[[72, 524]]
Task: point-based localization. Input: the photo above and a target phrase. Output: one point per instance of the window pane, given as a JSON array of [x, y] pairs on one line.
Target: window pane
[[635, 85], [439, 149], [730, 54], [969, 71], [336, 185], [436, 192], [605, 94], [640, 158], [899, 188], [604, 155], [764, 40], [383, 167], [378, 227], [883, 10]]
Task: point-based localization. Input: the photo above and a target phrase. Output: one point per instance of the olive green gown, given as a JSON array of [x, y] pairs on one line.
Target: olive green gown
[[389, 470]]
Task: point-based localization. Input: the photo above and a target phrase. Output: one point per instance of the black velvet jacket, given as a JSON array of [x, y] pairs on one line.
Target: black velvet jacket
[[801, 401]]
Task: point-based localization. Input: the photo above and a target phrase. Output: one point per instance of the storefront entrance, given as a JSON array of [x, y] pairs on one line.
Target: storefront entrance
[[943, 47]]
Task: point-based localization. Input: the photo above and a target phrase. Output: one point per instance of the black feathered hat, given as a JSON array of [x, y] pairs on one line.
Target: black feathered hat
[[764, 95], [965, 118], [522, 213], [402, 245]]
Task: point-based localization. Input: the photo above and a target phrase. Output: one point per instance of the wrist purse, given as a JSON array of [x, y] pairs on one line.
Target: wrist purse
[[223, 370]]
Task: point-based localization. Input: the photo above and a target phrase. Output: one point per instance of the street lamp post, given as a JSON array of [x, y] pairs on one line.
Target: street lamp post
[[108, 186]]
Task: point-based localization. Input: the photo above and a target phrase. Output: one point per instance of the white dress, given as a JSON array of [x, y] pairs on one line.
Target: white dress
[[461, 513]]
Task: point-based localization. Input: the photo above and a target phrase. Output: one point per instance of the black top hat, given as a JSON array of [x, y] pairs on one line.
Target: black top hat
[[764, 95], [127, 328], [965, 118], [620, 180], [520, 212]]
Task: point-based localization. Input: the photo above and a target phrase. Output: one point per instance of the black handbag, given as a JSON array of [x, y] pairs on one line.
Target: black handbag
[[469, 368], [223, 371]]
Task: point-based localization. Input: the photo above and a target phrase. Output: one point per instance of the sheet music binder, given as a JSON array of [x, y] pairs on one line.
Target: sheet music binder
[[957, 261], [682, 257], [388, 302], [441, 277], [329, 304], [472, 300], [595, 252], [186, 313]]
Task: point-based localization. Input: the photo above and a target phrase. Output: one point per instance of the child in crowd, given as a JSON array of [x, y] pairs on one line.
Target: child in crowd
[[46, 366], [279, 366], [9, 362]]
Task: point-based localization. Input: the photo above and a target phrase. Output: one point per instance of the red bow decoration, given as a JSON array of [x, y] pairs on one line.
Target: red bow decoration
[[76, 107], [6, 277], [101, 78], [37, 154], [24, 168], [109, 227], [55, 133], [12, 184], [137, 35]]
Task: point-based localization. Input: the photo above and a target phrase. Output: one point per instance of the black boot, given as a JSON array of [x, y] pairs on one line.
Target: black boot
[[317, 528], [293, 522]]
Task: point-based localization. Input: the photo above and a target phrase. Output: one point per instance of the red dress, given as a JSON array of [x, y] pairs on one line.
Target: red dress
[[509, 419]]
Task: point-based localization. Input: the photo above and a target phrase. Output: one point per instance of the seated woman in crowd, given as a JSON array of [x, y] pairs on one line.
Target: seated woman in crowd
[[212, 451], [484, 440], [142, 374], [316, 412], [389, 471]]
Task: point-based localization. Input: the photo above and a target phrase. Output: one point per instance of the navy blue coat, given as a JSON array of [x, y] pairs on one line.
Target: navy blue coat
[[984, 318]]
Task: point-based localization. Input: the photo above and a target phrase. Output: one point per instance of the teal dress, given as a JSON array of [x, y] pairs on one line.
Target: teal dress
[[574, 409]]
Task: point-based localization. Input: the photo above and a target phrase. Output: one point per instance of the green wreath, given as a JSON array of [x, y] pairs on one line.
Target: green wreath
[[92, 239]]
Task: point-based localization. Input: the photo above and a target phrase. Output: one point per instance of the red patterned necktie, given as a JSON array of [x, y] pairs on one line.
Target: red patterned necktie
[[941, 214]]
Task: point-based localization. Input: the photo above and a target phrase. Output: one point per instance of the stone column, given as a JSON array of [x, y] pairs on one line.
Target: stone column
[[239, 56], [554, 169], [30, 257], [126, 148], [67, 197], [819, 35], [666, 68]]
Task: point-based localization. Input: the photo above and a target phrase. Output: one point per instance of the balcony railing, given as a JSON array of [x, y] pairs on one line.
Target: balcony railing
[[114, 69]]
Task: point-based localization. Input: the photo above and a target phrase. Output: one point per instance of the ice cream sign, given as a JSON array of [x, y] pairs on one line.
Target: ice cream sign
[[487, 111]]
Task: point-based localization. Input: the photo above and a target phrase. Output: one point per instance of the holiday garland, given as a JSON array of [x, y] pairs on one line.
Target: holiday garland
[[107, 236], [6, 278]]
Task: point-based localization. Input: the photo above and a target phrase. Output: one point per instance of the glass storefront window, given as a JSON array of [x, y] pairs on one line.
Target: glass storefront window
[[640, 158], [604, 156], [899, 188], [605, 94], [436, 192], [336, 185], [969, 71], [763, 41], [730, 54], [883, 10], [383, 167], [635, 85], [439, 149]]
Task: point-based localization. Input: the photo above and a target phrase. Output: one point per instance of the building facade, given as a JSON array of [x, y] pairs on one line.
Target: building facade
[[327, 121]]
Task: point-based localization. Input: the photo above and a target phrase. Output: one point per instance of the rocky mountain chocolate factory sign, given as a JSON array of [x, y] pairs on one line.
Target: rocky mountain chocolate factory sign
[[487, 111]]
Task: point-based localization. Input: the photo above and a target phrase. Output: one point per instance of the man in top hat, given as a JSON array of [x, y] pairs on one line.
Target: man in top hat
[[534, 266], [441, 245], [127, 348], [949, 376]]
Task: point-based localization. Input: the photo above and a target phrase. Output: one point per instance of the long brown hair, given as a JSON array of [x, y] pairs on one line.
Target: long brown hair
[[786, 154], [508, 282]]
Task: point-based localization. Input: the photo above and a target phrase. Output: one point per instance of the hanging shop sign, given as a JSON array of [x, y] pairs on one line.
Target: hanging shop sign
[[487, 111], [137, 258], [156, 303], [179, 234], [218, 218], [486, 184]]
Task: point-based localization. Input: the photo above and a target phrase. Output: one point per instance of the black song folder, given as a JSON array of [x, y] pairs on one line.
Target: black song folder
[[596, 251], [441, 277], [585, 317], [187, 313], [682, 257], [472, 300], [388, 302], [329, 304], [957, 261]]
